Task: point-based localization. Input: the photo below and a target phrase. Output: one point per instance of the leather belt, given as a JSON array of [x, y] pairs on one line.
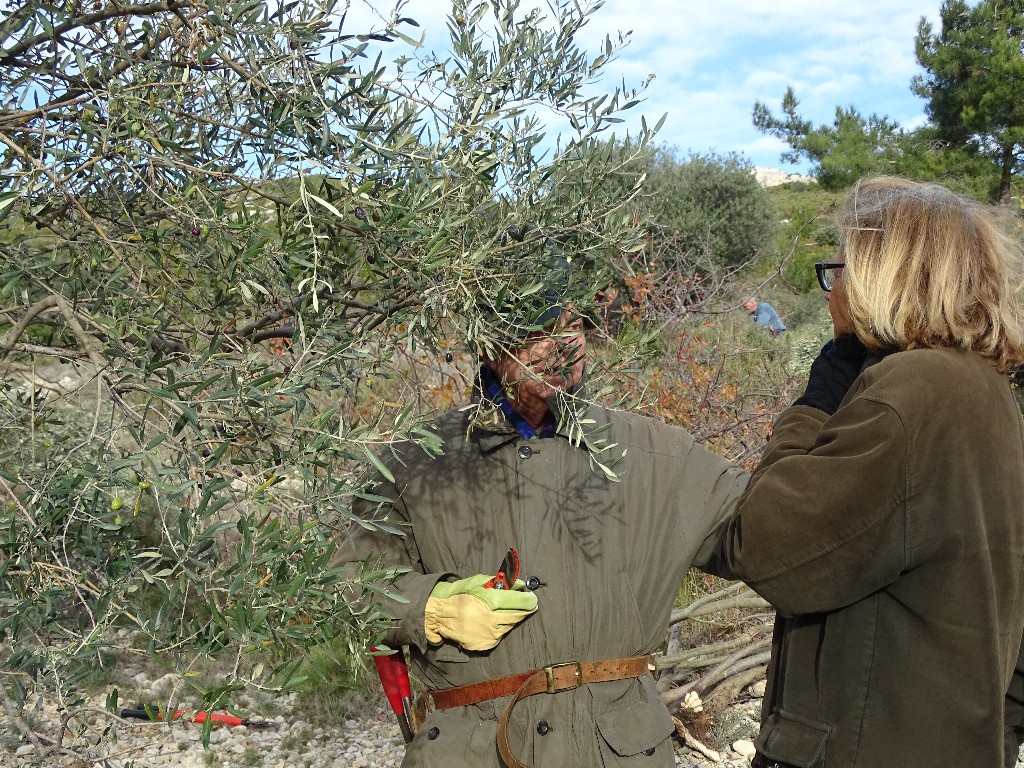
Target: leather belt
[[554, 678]]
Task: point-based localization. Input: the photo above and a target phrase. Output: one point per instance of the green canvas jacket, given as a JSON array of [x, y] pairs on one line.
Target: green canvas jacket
[[606, 557], [890, 539]]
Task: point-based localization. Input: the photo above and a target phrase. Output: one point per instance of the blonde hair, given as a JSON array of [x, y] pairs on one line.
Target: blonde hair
[[928, 268]]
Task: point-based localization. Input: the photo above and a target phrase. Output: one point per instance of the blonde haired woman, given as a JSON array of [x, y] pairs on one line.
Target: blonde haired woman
[[886, 519]]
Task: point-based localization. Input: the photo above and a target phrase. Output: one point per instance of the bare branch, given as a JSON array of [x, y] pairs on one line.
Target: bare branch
[[693, 743], [738, 661], [699, 655], [12, 336], [713, 604], [14, 712]]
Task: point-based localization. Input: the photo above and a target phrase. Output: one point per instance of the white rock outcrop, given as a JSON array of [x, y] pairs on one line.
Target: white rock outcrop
[[773, 177]]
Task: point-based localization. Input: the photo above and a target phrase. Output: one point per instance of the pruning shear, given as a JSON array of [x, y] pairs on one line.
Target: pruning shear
[[394, 677], [220, 718], [507, 573], [392, 668]]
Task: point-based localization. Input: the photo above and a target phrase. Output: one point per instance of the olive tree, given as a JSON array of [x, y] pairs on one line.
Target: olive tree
[[242, 244]]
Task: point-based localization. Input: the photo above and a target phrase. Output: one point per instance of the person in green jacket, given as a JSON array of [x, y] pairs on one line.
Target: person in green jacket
[[884, 521], [605, 510]]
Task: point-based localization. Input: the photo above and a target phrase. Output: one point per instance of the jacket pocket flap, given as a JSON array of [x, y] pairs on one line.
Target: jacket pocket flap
[[448, 652], [635, 728], [792, 739]]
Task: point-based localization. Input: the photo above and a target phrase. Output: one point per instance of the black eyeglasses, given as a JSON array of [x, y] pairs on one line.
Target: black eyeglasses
[[828, 273]]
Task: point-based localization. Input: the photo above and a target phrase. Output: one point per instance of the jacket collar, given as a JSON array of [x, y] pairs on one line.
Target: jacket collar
[[488, 426]]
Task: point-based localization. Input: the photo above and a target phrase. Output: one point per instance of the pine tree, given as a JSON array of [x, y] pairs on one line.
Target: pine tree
[[974, 79]]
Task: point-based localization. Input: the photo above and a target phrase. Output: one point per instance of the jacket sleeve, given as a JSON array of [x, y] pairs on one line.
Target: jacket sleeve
[[720, 484], [391, 546], [822, 523]]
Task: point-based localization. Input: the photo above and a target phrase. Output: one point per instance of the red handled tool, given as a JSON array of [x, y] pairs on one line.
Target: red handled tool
[[507, 573], [394, 677], [220, 718], [394, 672]]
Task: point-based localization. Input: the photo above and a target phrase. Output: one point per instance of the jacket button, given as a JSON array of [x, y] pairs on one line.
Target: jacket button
[[433, 733], [525, 451], [649, 752], [533, 583], [543, 727]]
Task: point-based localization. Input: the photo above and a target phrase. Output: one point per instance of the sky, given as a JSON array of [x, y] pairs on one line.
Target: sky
[[712, 59]]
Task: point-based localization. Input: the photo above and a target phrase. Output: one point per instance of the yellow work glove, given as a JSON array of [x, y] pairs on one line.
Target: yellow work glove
[[474, 617]]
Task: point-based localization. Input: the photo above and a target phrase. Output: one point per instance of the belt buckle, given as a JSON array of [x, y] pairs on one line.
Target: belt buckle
[[549, 673]]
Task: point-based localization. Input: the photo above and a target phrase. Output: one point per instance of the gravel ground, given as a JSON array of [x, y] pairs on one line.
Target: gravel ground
[[371, 741]]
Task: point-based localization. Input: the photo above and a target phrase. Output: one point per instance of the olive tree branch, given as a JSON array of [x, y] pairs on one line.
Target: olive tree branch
[[14, 713], [49, 173], [11, 337], [113, 11]]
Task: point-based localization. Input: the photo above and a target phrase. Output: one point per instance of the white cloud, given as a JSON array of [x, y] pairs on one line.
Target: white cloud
[[713, 60]]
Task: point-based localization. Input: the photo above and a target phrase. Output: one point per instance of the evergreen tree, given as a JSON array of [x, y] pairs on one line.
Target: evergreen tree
[[854, 146], [974, 79], [851, 147]]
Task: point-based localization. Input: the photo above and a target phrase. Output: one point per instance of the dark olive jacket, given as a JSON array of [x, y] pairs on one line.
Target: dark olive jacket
[[606, 556], [890, 539]]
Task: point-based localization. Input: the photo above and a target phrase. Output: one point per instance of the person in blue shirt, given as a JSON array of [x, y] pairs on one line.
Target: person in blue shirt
[[764, 314]]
